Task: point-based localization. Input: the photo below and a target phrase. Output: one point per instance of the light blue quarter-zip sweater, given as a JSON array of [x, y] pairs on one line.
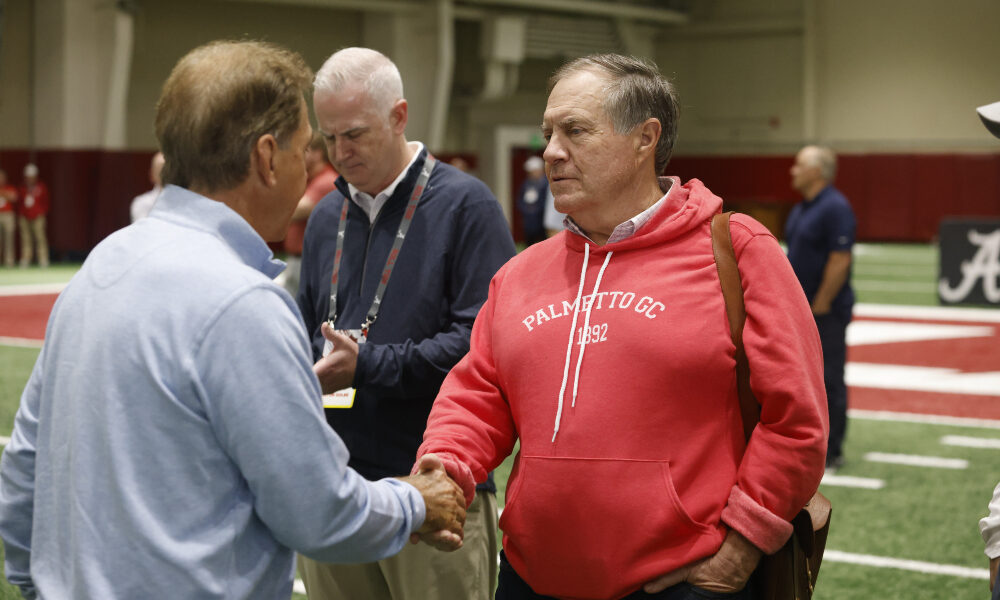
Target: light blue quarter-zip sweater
[[171, 440]]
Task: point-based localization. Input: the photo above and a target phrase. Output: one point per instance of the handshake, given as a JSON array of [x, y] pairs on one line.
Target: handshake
[[444, 502]]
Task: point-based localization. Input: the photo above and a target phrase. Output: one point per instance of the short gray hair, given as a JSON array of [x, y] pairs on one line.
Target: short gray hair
[[825, 159], [370, 69], [635, 92]]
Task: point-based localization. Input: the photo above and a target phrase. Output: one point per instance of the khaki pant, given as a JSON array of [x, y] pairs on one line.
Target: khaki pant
[[7, 222], [33, 233], [419, 572]]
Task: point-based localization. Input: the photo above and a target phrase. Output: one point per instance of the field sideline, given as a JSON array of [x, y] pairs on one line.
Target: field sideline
[[923, 440]]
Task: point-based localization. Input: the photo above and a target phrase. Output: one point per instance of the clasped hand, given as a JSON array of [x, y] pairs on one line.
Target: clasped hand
[[444, 502], [726, 571]]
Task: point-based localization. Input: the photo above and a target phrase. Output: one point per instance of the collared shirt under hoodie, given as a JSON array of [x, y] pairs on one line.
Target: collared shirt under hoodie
[[613, 367], [170, 442]]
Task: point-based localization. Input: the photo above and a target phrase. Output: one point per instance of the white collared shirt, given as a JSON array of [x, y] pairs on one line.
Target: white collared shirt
[[372, 206]]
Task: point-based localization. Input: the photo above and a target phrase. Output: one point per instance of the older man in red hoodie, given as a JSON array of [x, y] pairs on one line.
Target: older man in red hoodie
[[606, 352]]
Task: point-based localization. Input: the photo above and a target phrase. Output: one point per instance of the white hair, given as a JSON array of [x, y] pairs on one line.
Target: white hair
[[364, 67], [825, 159]]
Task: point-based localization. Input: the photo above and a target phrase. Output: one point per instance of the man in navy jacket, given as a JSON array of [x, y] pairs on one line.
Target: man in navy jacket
[[412, 244]]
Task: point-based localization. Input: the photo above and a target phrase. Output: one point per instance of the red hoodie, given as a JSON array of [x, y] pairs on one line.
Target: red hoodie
[[632, 458]]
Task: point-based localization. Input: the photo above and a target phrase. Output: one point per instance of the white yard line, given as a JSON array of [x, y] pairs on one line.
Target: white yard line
[[907, 565], [912, 460], [31, 289], [4, 440], [298, 587], [903, 417], [20, 342], [922, 379], [861, 332], [965, 441], [866, 483], [939, 313]]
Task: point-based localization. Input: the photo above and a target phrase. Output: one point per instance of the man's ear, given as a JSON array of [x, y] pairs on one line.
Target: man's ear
[[263, 159], [647, 135], [398, 116]]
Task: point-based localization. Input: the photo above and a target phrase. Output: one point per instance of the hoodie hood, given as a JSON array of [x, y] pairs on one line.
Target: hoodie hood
[[685, 208]]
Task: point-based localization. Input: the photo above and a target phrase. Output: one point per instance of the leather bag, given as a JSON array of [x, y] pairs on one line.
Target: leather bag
[[791, 572]]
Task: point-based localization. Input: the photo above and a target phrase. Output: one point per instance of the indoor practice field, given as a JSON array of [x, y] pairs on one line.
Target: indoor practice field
[[922, 447]]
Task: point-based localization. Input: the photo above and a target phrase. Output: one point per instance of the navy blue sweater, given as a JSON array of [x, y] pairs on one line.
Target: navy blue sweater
[[458, 239]]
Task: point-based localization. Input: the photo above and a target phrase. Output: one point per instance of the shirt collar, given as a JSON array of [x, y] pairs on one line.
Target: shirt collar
[[188, 209], [629, 228]]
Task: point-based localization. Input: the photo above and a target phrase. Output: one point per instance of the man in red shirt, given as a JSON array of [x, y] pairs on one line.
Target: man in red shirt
[[34, 207], [321, 182], [8, 210]]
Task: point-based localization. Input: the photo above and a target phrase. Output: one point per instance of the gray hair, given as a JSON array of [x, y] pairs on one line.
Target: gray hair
[[370, 69], [825, 159], [635, 92]]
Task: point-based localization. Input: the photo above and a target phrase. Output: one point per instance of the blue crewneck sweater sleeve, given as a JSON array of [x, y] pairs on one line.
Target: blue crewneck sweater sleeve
[[268, 418]]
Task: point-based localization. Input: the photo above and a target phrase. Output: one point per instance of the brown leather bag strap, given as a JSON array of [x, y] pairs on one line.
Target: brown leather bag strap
[[732, 292]]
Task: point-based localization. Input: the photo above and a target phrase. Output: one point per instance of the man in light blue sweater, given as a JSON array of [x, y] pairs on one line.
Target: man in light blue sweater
[[170, 442]]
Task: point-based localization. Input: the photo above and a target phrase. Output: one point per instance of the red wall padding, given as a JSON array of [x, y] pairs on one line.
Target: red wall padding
[[897, 197], [91, 191]]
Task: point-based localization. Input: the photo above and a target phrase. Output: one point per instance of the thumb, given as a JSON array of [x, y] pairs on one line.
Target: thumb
[[332, 334], [430, 462], [668, 580]]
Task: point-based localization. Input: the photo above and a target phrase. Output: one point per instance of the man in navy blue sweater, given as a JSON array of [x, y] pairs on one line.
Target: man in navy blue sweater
[[396, 263], [820, 234]]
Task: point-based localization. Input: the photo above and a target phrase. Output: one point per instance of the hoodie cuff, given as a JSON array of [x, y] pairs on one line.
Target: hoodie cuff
[[458, 471], [760, 526]]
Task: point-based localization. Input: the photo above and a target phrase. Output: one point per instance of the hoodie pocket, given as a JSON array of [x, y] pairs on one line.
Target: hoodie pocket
[[598, 528]]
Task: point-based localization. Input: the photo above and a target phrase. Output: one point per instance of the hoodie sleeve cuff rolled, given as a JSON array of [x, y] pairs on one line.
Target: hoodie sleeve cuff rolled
[[760, 526]]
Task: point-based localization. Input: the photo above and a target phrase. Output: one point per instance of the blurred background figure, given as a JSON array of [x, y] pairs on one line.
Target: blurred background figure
[[820, 234], [34, 208], [531, 200], [143, 203], [461, 164], [553, 218], [322, 179], [8, 217]]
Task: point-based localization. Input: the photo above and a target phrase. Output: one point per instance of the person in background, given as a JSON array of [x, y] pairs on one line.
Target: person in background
[[322, 178], [410, 245], [989, 526], [820, 233], [8, 219], [531, 200], [606, 353], [186, 455], [34, 207], [554, 220], [143, 203]]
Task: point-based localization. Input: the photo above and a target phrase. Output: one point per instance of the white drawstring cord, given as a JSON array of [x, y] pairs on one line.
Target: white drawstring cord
[[586, 326], [569, 346]]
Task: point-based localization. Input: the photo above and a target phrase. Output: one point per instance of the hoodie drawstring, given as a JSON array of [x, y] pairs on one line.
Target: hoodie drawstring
[[572, 331]]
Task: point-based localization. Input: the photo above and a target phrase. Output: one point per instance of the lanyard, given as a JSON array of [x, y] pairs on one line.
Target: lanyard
[[390, 261]]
